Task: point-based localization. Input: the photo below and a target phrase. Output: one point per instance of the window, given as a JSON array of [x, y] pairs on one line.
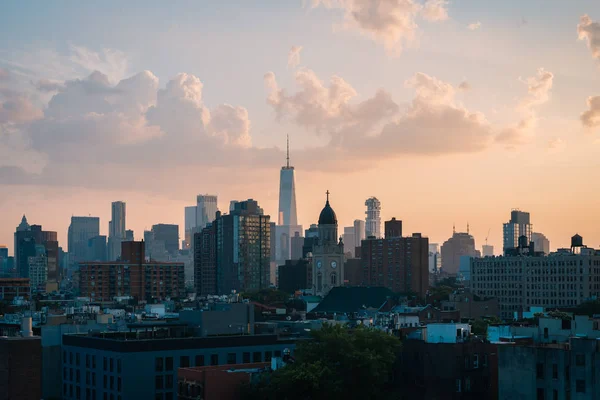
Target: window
[[105, 381], [93, 362], [475, 360], [277, 353], [485, 360], [87, 360], [159, 364], [257, 357], [467, 384], [580, 386], [119, 384], [70, 358], [112, 365], [104, 363], [231, 358], [112, 383], [467, 362], [554, 371], [77, 376], [555, 394], [580, 360], [158, 382], [184, 362], [540, 394], [199, 361], [169, 396], [246, 358], [268, 356], [545, 333], [540, 371], [87, 378], [458, 385], [333, 279], [119, 366], [93, 379], [214, 359], [169, 382]]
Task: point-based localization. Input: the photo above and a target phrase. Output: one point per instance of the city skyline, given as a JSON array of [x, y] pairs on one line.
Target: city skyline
[[512, 83]]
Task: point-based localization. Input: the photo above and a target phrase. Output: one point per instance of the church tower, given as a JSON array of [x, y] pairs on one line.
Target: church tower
[[328, 253]]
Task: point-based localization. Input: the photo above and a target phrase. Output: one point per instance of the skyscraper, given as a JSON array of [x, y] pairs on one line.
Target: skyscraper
[[243, 248], [206, 210], [360, 232], [519, 225], [116, 229], [460, 244], [540, 242], [169, 235], [190, 226], [81, 230], [205, 270], [287, 193], [373, 220]]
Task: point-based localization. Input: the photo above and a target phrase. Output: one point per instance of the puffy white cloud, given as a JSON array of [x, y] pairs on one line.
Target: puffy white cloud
[[591, 117], [232, 124], [474, 26], [435, 10], [48, 85], [294, 56], [392, 22], [538, 89], [589, 31], [16, 107]]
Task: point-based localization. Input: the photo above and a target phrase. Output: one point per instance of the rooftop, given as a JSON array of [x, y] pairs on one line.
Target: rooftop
[[353, 299]]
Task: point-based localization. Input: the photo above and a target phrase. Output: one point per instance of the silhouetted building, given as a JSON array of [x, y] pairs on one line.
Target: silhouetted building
[[169, 235], [353, 272], [97, 249], [116, 229], [81, 230], [460, 244], [519, 225], [20, 368], [206, 210], [205, 262], [129, 236], [243, 248], [297, 242], [295, 275], [373, 220], [311, 237], [397, 263], [328, 253], [133, 252], [393, 228]]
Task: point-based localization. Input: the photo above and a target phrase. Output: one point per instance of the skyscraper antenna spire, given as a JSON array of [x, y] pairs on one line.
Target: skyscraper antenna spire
[[288, 151]]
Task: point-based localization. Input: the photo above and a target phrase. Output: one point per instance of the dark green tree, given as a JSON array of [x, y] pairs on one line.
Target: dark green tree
[[337, 363]]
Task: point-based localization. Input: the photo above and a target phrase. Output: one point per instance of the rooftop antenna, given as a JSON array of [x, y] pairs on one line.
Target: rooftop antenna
[[467, 228], [453, 228], [288, 151]]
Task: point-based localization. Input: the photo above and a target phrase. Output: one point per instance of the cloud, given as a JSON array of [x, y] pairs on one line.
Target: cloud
[[474, 26], [48, 85], [16, 154], [294, 56], [538, 93], [591, 117], [555, 145], [464, 86], [376, 128], [435, 10], [16, 107], [3, 74], [590, 32], [391, 22], [113, 63]]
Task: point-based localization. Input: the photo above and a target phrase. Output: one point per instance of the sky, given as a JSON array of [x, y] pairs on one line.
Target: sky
[[449, 112]]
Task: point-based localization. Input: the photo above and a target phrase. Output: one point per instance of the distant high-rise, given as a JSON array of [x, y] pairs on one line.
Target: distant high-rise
[[487, 250], [116, 229], [129, 236], [435, 258], [393, 228], [205, 267], [169, 235], [206, 210], [190, 225], [519, 225], [460, 244], [349, 238], [243, 248], [373, 220], [360, 232], [540, 242], [97, 250], [81, 230], [287, 193]]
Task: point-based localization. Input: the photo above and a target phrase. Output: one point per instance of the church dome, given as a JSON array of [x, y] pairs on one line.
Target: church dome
[[327, 216]]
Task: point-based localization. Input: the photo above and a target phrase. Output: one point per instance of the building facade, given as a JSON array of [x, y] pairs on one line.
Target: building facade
[[205, 262], [116, 229], [519, 225], [460, 244], [327, 253], [81, 230], [287, 194], [400, 264], [373, 219], [206, 210], [540, 242], [20, 368], [14, 287], [167, 234], [555, 281], [144, 366], [243, 251]]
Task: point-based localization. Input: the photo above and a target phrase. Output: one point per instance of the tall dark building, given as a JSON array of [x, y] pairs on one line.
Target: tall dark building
[[21, 368], [400, 264], [133, 252], [26, 238], [169, 234], [297, 242], [311, 237], [460, 244], [243, 248], [393, 228], [295, 275], [81, 230], [50, 243], [205, 262], [97, 249]]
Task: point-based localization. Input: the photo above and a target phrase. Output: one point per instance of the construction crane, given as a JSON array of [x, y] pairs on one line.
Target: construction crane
[[488, 235]]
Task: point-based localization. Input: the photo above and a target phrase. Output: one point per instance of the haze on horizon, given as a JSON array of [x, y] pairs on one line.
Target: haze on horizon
[[450, 112]]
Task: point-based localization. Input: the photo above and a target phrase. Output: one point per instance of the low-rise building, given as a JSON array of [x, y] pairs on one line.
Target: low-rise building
[[470, 305], [11, 288]]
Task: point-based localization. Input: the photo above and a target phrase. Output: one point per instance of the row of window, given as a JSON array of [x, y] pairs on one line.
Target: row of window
[[166, 364]]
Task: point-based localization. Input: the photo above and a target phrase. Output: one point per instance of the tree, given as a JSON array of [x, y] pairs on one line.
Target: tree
[[480, 326], [337, 363]]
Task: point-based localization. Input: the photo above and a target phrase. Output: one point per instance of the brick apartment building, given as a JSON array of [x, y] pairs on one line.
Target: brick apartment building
[[20, 368], [14, 287], [133, 276]]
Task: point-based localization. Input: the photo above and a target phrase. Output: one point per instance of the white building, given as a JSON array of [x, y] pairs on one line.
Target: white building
[[487, 250], [206, 210], [373, 220], [540, 242], [435, 258], [447, 333], [38, 269]]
